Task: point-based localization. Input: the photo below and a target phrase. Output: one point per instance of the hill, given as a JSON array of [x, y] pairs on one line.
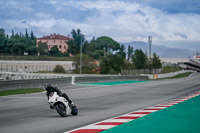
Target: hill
[[162, 51]]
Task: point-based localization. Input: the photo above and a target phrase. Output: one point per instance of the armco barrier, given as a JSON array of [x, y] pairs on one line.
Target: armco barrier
[[65, 81], [168, 74], [33, 83]]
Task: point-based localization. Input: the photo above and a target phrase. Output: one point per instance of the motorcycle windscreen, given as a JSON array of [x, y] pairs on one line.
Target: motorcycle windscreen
[[51, 94]]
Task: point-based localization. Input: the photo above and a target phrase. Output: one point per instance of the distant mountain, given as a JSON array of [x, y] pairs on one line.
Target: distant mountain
[[162, 51]]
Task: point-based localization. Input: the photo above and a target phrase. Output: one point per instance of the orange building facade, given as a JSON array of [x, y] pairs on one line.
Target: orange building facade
[[55, 40]]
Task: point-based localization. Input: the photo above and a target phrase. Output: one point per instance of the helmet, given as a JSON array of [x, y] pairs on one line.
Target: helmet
[[48, 86]]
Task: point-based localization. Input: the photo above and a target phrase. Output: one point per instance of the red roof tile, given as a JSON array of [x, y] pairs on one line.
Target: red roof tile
[[56, 36]]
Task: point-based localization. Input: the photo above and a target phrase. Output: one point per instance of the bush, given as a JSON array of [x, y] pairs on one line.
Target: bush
[[59, 69], [86, 70], [54, 51]]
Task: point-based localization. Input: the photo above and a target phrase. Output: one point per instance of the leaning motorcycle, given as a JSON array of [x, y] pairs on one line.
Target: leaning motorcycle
[[61, 105]]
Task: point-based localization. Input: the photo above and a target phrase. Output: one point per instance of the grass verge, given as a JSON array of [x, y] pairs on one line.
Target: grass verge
[[168, 69], [20, 91], [182, 75], [32, 58]]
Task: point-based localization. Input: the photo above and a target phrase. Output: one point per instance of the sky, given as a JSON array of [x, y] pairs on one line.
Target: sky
[[171, 23]]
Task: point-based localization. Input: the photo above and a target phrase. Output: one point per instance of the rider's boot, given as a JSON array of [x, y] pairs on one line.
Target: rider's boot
[[51, 107], [71, 104]]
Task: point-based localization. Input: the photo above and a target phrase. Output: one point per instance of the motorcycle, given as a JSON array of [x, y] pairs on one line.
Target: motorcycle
[[61, 105]]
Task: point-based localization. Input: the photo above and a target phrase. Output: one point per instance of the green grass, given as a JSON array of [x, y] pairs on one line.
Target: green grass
[[168, 69], [45, 72], [179, 75], [50, 72], [48, 58], [181, 118], [20, 91]]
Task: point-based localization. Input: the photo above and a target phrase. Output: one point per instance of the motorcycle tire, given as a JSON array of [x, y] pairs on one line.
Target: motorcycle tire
[[74, 110], [61, 109]]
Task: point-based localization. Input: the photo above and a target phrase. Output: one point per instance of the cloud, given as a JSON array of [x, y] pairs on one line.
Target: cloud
[[136, 21], [42, 15], [20, 5], [173, 6], [17, 24], [23, 22], [181, 35], [124, 21]]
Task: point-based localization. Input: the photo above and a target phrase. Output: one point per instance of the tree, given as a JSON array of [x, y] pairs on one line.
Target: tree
[[74, 44], [156, 63], [107, 43], [54, 50], [72, 47], [122, 51], [86, 60], [32, 36], [17, 43], [3, 40], [19, 48], [31, 50], [9, 47], [2, 31], [139, 59], [101, 47], [42, 48], [112, 64], [26, 34], [130, 52], [13, 33], [88, 64]]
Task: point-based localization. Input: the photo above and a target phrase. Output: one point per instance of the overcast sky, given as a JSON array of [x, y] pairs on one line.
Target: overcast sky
[[172, 23]]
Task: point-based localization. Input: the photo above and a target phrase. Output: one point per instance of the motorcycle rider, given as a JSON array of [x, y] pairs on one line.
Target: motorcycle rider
[[49, 88]]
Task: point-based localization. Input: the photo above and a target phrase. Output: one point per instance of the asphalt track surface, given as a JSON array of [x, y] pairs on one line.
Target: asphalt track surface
[[30, 113]]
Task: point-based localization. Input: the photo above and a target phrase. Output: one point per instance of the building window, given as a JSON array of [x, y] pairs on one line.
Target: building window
[[54, 40], [60, 46], [65, 47]]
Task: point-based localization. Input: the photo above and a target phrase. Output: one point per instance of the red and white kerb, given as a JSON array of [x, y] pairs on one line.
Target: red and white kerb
[[110, 123]]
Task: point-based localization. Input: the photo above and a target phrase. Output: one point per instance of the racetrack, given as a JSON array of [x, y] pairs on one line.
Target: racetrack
[[30, 113]]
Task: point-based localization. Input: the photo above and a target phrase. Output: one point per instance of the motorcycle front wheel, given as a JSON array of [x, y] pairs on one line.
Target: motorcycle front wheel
[[61, 109]]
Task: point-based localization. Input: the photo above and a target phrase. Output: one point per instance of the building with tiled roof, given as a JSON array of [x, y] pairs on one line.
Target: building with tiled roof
[[55, 40]]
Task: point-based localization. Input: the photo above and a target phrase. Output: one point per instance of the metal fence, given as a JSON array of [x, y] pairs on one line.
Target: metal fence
[[140, 71], [33, 66]]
